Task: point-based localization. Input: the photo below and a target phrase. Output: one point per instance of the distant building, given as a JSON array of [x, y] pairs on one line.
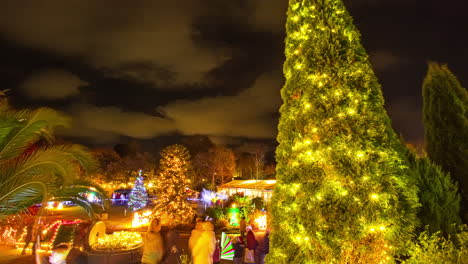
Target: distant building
[[250, 188]]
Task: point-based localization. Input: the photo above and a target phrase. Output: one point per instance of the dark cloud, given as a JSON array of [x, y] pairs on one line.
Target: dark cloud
[[117, 36], [251, 113], [247, 114], [92, 120], [384, 60], [52, 84]]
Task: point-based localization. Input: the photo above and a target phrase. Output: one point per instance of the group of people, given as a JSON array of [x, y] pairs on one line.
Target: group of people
[[203, 244], [161, 246], [161, 243], [249, 248]]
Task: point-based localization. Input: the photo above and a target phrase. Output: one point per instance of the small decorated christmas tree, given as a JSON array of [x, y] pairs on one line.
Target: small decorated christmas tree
[[138, 196], [172, 184]]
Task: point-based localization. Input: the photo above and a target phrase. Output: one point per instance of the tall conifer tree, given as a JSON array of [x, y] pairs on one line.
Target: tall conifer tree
[[445, 112], [439, 198], [172, 183], [343, 194]]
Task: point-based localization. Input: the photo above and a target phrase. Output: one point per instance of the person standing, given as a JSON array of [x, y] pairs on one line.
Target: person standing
[[195, 235], [242, 226], [217, 253], [204, 246], [28, 238], [262, 249], [251, 244], [153, 247], [171, 239], [238, 246]]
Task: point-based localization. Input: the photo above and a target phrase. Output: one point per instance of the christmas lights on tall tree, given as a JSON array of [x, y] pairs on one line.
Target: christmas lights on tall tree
[[138, 197], [343, 194], [172, 183]]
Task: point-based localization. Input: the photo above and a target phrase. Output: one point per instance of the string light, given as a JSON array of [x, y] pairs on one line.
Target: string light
[[120, 240]]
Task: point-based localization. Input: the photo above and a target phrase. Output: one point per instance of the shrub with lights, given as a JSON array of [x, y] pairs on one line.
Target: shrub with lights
[[172, 184], [343, 193]]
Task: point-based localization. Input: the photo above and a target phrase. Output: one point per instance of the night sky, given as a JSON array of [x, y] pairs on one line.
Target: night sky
[[140, 70]]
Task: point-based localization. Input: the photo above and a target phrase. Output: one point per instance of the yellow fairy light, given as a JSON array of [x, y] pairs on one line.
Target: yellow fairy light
[[295, 18], [307, 106], [119, 240], [298, 66], [374, 196], [320, 84]]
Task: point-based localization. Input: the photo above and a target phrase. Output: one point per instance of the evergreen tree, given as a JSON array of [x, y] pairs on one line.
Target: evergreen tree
[[438, 194], [172, 182], [445, 112], [138, 197], [343, 194]]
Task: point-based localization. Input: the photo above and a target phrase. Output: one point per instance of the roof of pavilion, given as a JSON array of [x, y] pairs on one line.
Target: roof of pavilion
[[250, 184]]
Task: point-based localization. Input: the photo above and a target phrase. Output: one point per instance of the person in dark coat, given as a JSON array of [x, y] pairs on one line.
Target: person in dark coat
[[250, 246], [238, 246], [171, 239], [262, 249], [217, 253]]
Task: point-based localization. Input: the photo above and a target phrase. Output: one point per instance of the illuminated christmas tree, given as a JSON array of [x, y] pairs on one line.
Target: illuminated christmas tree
[[343, 194], [138, 196], [172, 183]]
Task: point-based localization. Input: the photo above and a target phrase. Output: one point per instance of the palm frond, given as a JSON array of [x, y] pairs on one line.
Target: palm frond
[[33, 125], [59, 163], [84, 158], [17, 199]]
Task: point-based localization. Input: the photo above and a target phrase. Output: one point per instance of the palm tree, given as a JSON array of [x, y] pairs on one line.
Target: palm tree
[[32, 167]]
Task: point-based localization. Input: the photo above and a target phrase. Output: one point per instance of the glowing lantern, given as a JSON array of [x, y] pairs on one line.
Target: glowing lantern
[[141, 219], [261, 222]]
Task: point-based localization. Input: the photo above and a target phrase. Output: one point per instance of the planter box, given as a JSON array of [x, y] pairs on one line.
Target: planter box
[[118, 257]]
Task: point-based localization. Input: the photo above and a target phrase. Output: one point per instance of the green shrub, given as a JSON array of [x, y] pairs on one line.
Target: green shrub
[[435, 249], [216, 213], [439, 198]]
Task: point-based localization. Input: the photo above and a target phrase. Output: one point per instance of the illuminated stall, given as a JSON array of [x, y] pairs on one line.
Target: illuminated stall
[[250, 188]]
